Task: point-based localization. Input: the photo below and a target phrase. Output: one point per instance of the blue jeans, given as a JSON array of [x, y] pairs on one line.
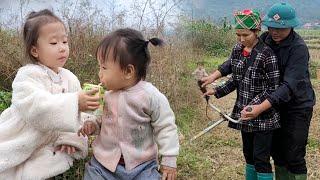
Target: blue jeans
[[145, 171]]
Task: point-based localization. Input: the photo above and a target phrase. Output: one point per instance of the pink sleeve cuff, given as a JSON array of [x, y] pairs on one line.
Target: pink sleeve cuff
[[170, 161]]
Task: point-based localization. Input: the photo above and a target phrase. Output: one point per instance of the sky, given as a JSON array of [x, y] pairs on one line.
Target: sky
[[12, 13], [13, 6]]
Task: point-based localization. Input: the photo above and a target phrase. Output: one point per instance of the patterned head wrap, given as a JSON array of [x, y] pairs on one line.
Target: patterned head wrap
[[247, 19]]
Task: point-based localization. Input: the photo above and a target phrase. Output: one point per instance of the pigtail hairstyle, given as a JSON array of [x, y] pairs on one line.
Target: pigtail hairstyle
[[128, 46], [156, 42]]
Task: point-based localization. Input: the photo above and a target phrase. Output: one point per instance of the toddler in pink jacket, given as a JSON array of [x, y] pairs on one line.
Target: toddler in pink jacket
[[137, 122]]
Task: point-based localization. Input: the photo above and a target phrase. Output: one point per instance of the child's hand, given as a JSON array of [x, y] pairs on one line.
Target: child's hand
[[168, 173], [87, 129], [66, 148], [88, 100]]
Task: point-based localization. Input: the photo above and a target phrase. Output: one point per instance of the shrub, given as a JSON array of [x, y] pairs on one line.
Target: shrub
[[10, 57], [205, 35], [5, 100]]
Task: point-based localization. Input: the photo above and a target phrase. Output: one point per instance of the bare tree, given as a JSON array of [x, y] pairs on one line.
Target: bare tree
[[22, 6], [142, 13], [1, 22], [116, 13], [152, 14], [161, 13]]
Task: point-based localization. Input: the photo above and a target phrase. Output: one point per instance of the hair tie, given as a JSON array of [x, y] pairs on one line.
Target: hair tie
[[146, 43]]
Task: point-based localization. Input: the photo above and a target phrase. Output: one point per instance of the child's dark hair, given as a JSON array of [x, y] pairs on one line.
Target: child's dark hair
[[34, 21], [128, 47]]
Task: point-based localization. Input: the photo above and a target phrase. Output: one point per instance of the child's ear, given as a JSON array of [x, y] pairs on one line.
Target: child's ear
[[34, 52], [129, 72]]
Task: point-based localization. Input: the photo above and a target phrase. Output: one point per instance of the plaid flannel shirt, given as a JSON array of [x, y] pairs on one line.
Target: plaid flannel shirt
[[254, 77]]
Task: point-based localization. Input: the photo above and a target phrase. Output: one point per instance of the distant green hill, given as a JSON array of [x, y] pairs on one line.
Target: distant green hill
[[307, 10]]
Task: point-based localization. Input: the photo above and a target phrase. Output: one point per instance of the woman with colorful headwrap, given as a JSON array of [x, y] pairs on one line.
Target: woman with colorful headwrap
[[255, 74], [294, 98]]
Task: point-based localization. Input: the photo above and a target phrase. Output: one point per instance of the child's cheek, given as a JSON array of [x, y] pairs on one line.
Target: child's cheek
[[103, 80], [102, 77]]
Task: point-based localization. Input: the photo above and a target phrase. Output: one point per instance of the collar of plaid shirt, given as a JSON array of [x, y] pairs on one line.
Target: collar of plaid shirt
[[255, 50]]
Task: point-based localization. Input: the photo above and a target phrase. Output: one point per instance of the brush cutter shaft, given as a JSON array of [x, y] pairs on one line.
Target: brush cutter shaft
[[224, 115], [207, 129]]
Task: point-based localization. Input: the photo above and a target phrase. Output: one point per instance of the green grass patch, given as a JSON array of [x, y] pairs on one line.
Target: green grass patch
[[184, 118], [308, 32], [313, 41], [5, 100], [75, 172], [313, 66], [192, 162], [213, 62], [210, 63], [313, 143], [314, 47]]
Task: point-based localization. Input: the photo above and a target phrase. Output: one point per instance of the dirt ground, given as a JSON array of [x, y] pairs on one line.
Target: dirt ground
[[220, 151]]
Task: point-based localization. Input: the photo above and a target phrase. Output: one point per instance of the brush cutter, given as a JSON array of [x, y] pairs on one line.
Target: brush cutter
[[224, 116]]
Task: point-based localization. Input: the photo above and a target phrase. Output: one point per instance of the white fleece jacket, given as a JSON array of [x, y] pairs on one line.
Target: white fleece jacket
[[43, 114]]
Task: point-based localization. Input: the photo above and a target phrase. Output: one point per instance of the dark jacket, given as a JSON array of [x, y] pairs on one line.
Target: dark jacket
[[255, 77], [295, 90]]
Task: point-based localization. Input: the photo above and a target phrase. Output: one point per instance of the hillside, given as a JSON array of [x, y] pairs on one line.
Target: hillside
[[307, 10]]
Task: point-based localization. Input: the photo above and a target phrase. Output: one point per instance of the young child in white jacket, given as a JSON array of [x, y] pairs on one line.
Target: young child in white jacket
[[38, 137], [137, 121]]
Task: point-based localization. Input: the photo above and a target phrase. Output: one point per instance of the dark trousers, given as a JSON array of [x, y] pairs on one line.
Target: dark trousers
[[289, 142], [257, 149]]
